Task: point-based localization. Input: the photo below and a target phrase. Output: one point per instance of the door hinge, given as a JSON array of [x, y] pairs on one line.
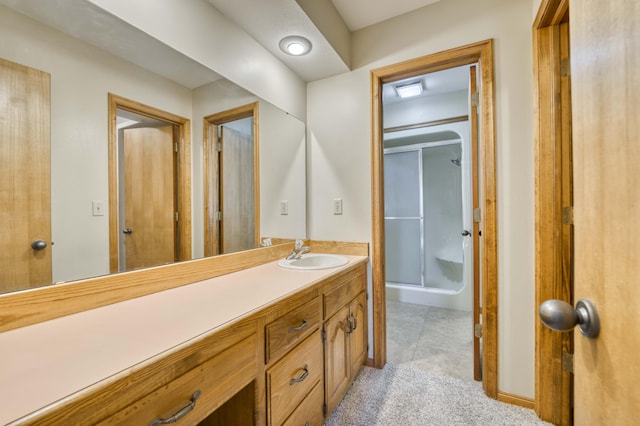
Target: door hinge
[[219, 147], [475, 99], [219, 216], [177, 216], [565, 67], [477, 331], [324, 409], [324, 335], [567, 215], [477, 215], [175, 147], [567, 361]]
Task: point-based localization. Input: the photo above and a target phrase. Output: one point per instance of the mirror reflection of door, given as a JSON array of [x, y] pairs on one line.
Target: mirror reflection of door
[[231, 181], [25, 167], [149, 222], [147, 214], [237, 224]]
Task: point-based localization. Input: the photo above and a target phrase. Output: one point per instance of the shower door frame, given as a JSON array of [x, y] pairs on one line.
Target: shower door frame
[[419, 147]]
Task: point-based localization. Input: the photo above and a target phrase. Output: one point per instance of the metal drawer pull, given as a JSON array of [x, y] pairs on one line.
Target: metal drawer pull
[[300, 327], [350, 330], [179, 414], [307, 424], [355, 322], [302, 376]]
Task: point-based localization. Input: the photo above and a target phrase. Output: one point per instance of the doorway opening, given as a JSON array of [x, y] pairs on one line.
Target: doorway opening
[[428, 169], [231, 181], [485, 216], [149, 193]]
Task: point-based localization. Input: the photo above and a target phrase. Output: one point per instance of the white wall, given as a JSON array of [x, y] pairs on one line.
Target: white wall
[[339, 140], [196, 29], [81, 78], [427, 108]]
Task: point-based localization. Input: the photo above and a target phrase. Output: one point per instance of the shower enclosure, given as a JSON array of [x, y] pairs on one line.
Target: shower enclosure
[[427, 210]]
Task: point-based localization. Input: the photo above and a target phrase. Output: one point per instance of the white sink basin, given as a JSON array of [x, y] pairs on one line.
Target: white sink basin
[[312, 261]]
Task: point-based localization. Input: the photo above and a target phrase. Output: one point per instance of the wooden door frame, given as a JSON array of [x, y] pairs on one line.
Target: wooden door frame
[[183, 181], [217, 119], [481, 53], [553, 193]]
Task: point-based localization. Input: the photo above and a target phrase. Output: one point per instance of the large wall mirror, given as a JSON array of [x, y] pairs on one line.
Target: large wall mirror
[[81, 78]]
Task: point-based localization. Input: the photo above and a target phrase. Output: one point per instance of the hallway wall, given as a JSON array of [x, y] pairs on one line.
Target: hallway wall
[[339, 143]]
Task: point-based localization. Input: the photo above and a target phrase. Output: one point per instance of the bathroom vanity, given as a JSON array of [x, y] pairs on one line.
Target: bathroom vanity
[[264, 345]]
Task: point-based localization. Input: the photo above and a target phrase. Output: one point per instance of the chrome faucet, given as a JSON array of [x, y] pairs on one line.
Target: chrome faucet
[[298, 250]]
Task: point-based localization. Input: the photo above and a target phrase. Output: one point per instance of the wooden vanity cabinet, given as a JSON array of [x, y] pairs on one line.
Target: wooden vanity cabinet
[[194, 395], [294, 365], [344, 333], [288, 363]]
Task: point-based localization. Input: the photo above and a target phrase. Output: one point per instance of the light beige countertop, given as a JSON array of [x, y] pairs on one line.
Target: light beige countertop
[[54, 360]]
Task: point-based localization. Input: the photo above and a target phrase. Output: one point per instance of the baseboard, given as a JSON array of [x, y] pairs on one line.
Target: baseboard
[[516, 400], [369, 362]]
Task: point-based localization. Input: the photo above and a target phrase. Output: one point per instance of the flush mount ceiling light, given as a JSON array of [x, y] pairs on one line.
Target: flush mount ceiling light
[[409, 90], [295, 45]]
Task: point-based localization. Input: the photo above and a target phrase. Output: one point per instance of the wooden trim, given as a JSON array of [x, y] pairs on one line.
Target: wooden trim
[[553, 191], [427, 124], [340, 247], [369, 362], [482, 53], [183, 181], [518, 400], [217, 119], [28, 307], [475, 232], [551, 12]]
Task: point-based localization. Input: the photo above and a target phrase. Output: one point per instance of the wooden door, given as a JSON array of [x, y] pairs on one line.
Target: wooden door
[[336, 358], [149, 222], [358, 337], [605, 59], [25, 168], [237, 191]]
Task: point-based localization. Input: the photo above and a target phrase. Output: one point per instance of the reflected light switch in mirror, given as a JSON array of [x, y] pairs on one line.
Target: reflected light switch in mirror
[[337, 206], [284, 207], [98, 208]]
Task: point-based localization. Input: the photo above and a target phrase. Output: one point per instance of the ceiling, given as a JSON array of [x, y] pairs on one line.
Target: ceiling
[[328, 24], [358, 14]]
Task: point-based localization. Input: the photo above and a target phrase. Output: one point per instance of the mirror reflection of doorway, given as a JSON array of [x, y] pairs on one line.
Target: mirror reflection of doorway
[[149, 186], [231, 161]]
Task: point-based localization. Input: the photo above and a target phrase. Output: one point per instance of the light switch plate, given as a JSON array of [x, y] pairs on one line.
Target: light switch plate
[[337, 206], [98, 207], [284, 207]]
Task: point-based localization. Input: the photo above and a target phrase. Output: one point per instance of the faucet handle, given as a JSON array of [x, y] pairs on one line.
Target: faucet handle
[[298, 244]]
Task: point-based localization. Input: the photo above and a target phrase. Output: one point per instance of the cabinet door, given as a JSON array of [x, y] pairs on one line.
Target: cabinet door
[[336, 356], [358, 337]]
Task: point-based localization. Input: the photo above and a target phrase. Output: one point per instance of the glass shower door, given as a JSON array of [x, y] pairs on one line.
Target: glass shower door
[[403, 217]]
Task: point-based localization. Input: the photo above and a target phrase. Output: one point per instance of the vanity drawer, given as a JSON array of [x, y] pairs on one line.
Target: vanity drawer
[[337, 294], [291, 328], [216, 380], [309, 412], [291, 378]]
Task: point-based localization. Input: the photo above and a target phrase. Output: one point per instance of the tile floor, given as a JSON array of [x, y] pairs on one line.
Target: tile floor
[[434, 339]]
